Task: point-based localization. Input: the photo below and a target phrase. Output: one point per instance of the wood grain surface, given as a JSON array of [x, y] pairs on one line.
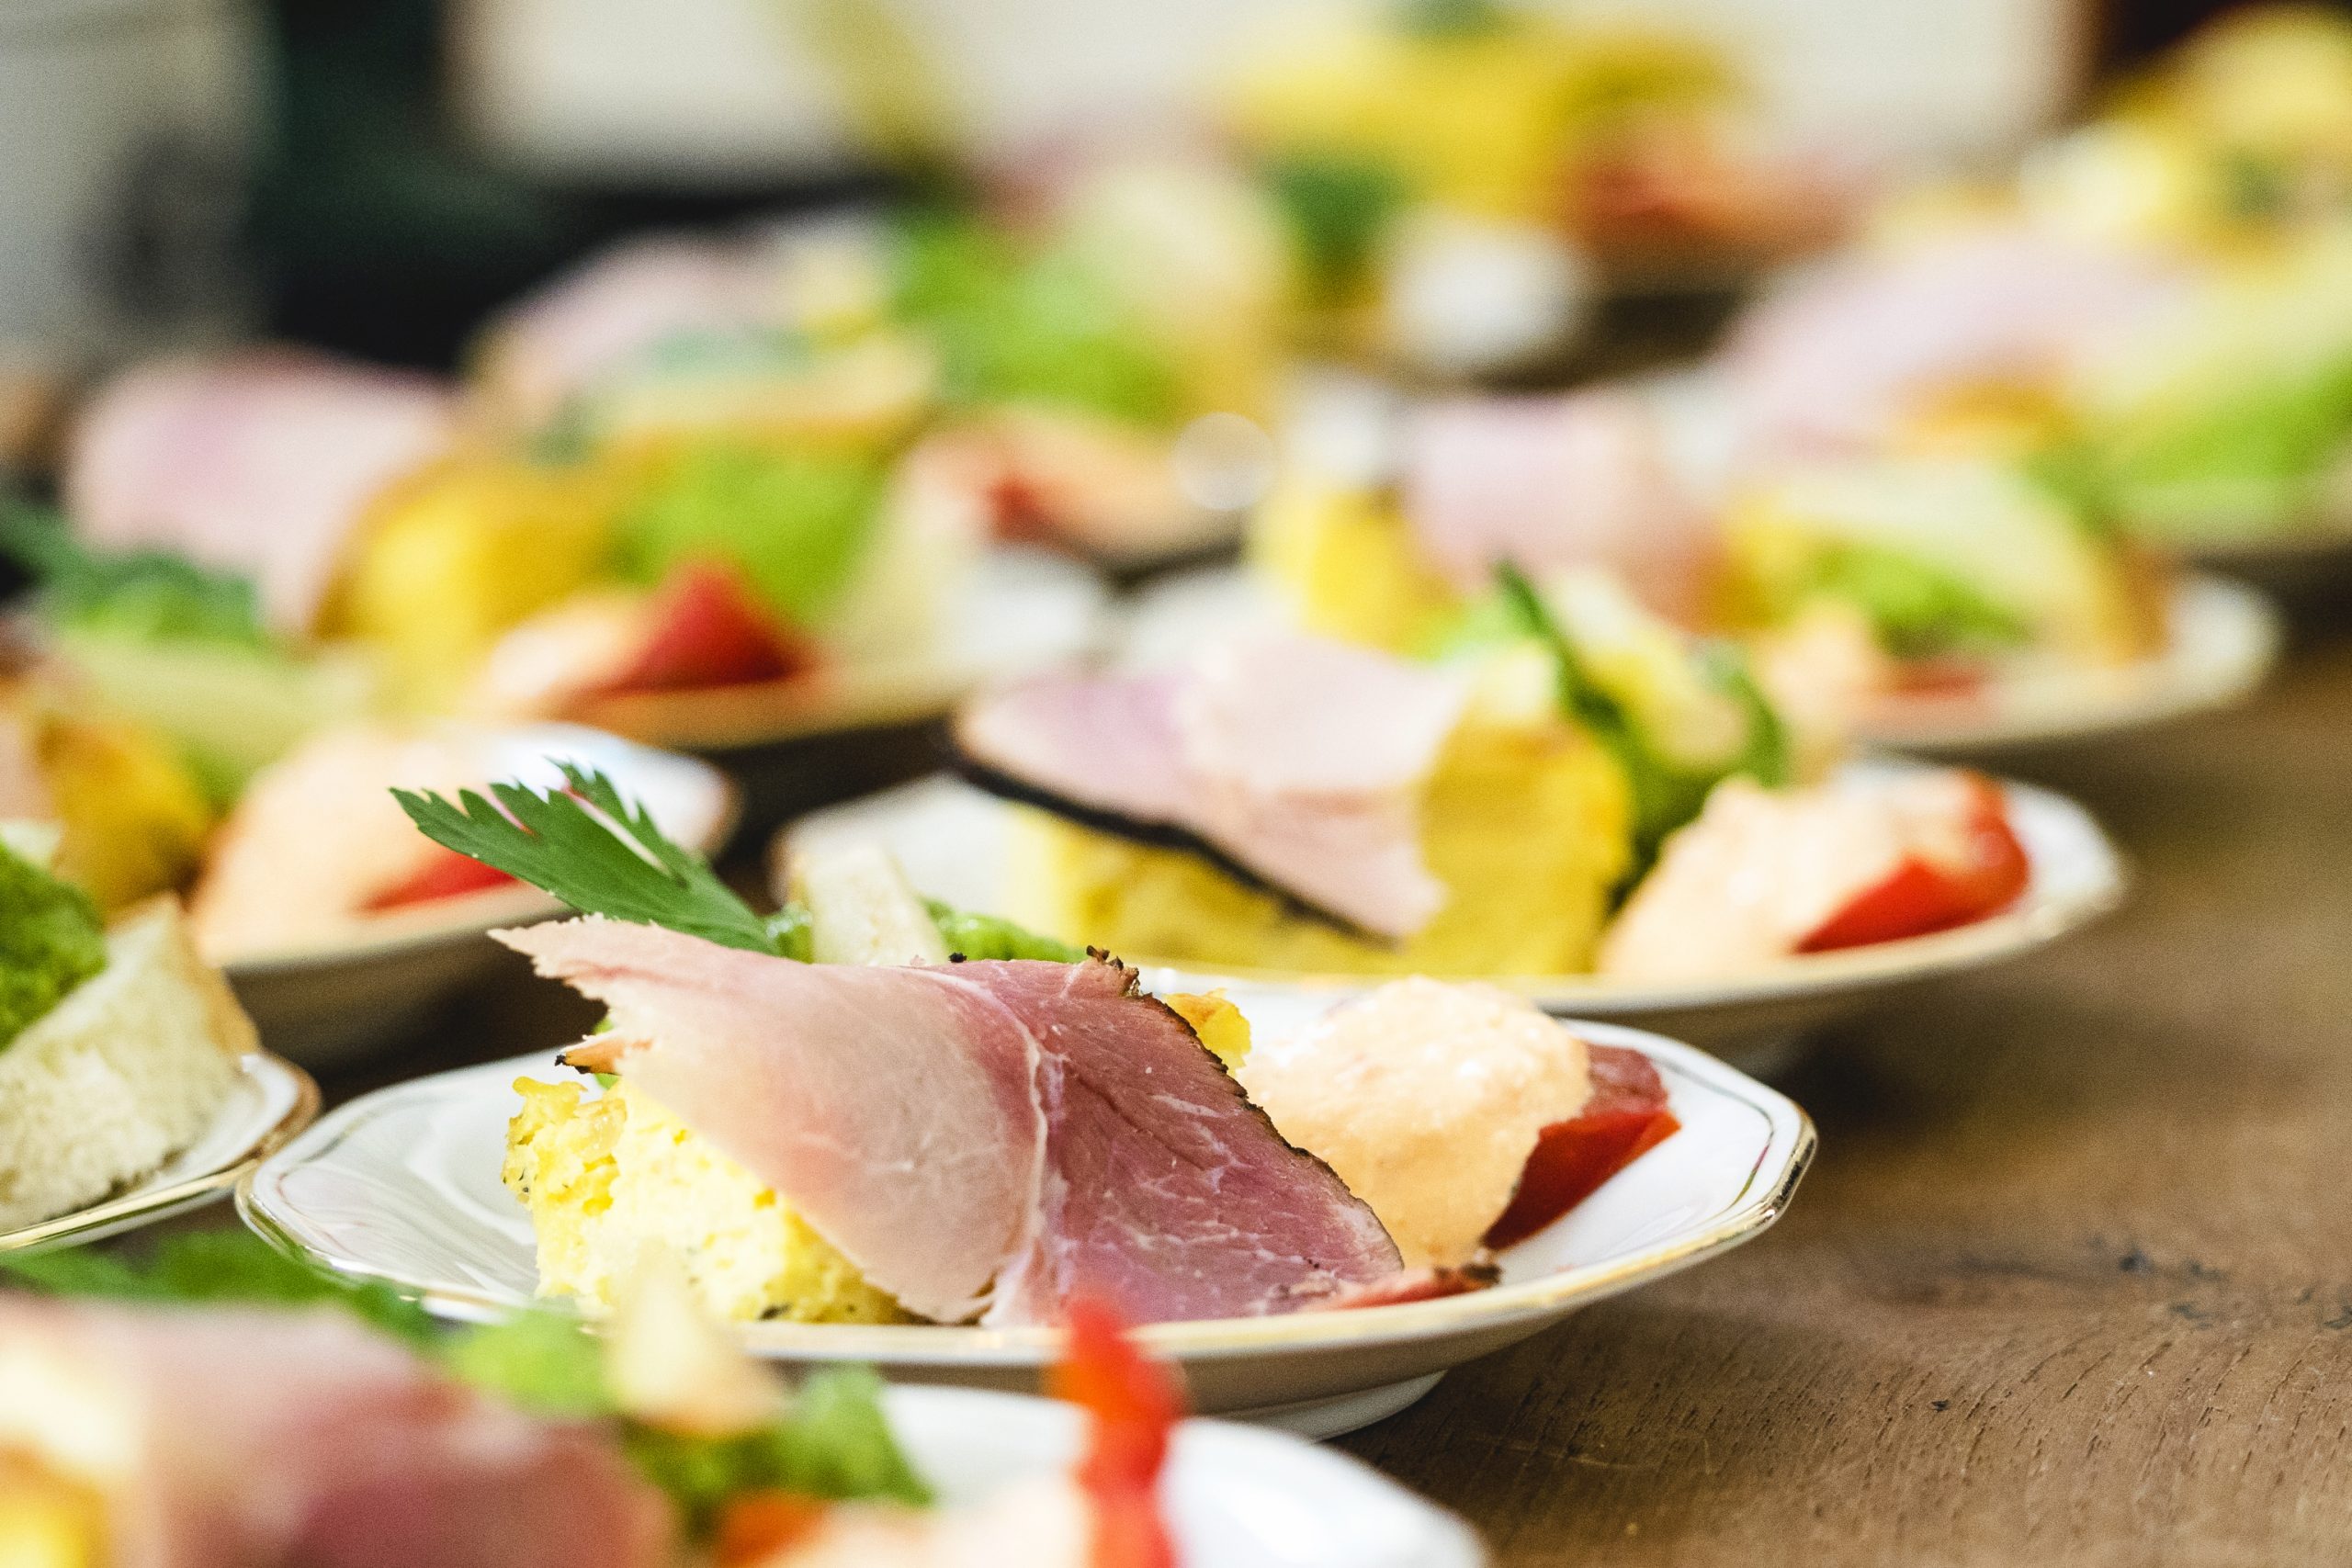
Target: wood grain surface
[[2070, 1282]]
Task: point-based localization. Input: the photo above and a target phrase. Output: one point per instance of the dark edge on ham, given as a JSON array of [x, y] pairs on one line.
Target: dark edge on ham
[[995, 781]]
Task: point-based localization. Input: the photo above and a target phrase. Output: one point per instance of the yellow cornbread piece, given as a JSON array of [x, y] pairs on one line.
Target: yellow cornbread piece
[[606, 1178], [1527, 826], [455, 558]]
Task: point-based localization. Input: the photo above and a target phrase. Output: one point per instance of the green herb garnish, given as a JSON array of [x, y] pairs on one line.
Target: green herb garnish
[[987, 936], [51, 939], [141, 595], [596, 852], [1666, 794], [217, 1267]]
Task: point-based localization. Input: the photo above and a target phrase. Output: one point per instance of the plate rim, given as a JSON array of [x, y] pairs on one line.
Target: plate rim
[[1790, 1143], [143, 1206]]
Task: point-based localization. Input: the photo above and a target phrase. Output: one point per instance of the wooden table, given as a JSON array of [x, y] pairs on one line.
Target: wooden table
[[2071, 1281]]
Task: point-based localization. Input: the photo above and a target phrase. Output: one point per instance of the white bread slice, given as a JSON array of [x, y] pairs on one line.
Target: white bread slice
[[122, 1074]]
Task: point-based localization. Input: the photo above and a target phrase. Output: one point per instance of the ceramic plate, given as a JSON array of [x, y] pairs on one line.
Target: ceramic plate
[[1025, 608], [402, 1186], [271, 1101], [2222, 637], [365, 981], [1237, 1496], [953, 841]]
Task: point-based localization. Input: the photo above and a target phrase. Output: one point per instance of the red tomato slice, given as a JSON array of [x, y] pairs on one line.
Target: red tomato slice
[[1926, 894], [708, 631], [1132, 1405], [1626, 1117], [446, 875]]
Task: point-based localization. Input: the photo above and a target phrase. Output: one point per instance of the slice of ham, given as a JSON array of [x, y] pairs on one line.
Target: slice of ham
[[984, 1138], [261, 464], [620, 305], [1840, 359], [1551, 484], [1761, 875], [1294, 760], [259, 1439]]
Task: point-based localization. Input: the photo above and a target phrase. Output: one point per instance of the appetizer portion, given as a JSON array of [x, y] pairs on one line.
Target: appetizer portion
[[1280, 803], [117, 1044], [225, 1405], [264, 886], [834, 1116]]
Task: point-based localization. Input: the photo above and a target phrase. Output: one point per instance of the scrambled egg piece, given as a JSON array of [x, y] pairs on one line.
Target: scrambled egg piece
[[455, 558], [1220, 1024], [605, 1178], [1527, 824], [1348, 568]]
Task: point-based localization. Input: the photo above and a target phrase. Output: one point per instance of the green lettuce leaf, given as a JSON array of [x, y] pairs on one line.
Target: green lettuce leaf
[[143, 596], [794, 524], [221, 1268], [989, 936]]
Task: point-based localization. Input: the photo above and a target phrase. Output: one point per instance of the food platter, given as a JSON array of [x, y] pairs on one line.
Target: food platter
[[363, 981], [953, 841], [403, 1187], [271, 1100]]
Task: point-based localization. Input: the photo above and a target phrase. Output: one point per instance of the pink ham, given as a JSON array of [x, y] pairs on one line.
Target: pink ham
[[618, 306], [257, 1438], [1840, 359], [1550, 484], [1293, 760], [261, 464], [979, 1138]]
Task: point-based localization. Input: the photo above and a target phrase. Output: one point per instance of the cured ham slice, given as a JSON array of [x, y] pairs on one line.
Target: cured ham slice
[[261, 464], [987, 1137], [1293, 761], [1841, 359], [1762, 876], [1552, 484], [255, 1438]]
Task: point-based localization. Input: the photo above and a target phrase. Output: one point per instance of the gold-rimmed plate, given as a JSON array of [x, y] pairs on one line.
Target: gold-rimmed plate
[[402, 1186], [271, 1101]]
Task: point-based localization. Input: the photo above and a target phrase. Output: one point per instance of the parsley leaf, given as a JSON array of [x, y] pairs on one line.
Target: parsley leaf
[[595, 850]]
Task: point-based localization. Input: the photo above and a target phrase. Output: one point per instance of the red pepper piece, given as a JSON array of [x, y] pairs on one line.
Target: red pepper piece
[[1133, 1405], [1627, 1116], [708, 631], [1924, 894], [445, 875]]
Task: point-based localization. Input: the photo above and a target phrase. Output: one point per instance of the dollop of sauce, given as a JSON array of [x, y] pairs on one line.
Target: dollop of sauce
[[1426, 1098]]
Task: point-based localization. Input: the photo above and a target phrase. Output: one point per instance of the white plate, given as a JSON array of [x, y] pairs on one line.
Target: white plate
[[402, 1186], [365, 980], [1235, 1496], [271, 1101], [2221, 639], [1025, 608], [953, 839]]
